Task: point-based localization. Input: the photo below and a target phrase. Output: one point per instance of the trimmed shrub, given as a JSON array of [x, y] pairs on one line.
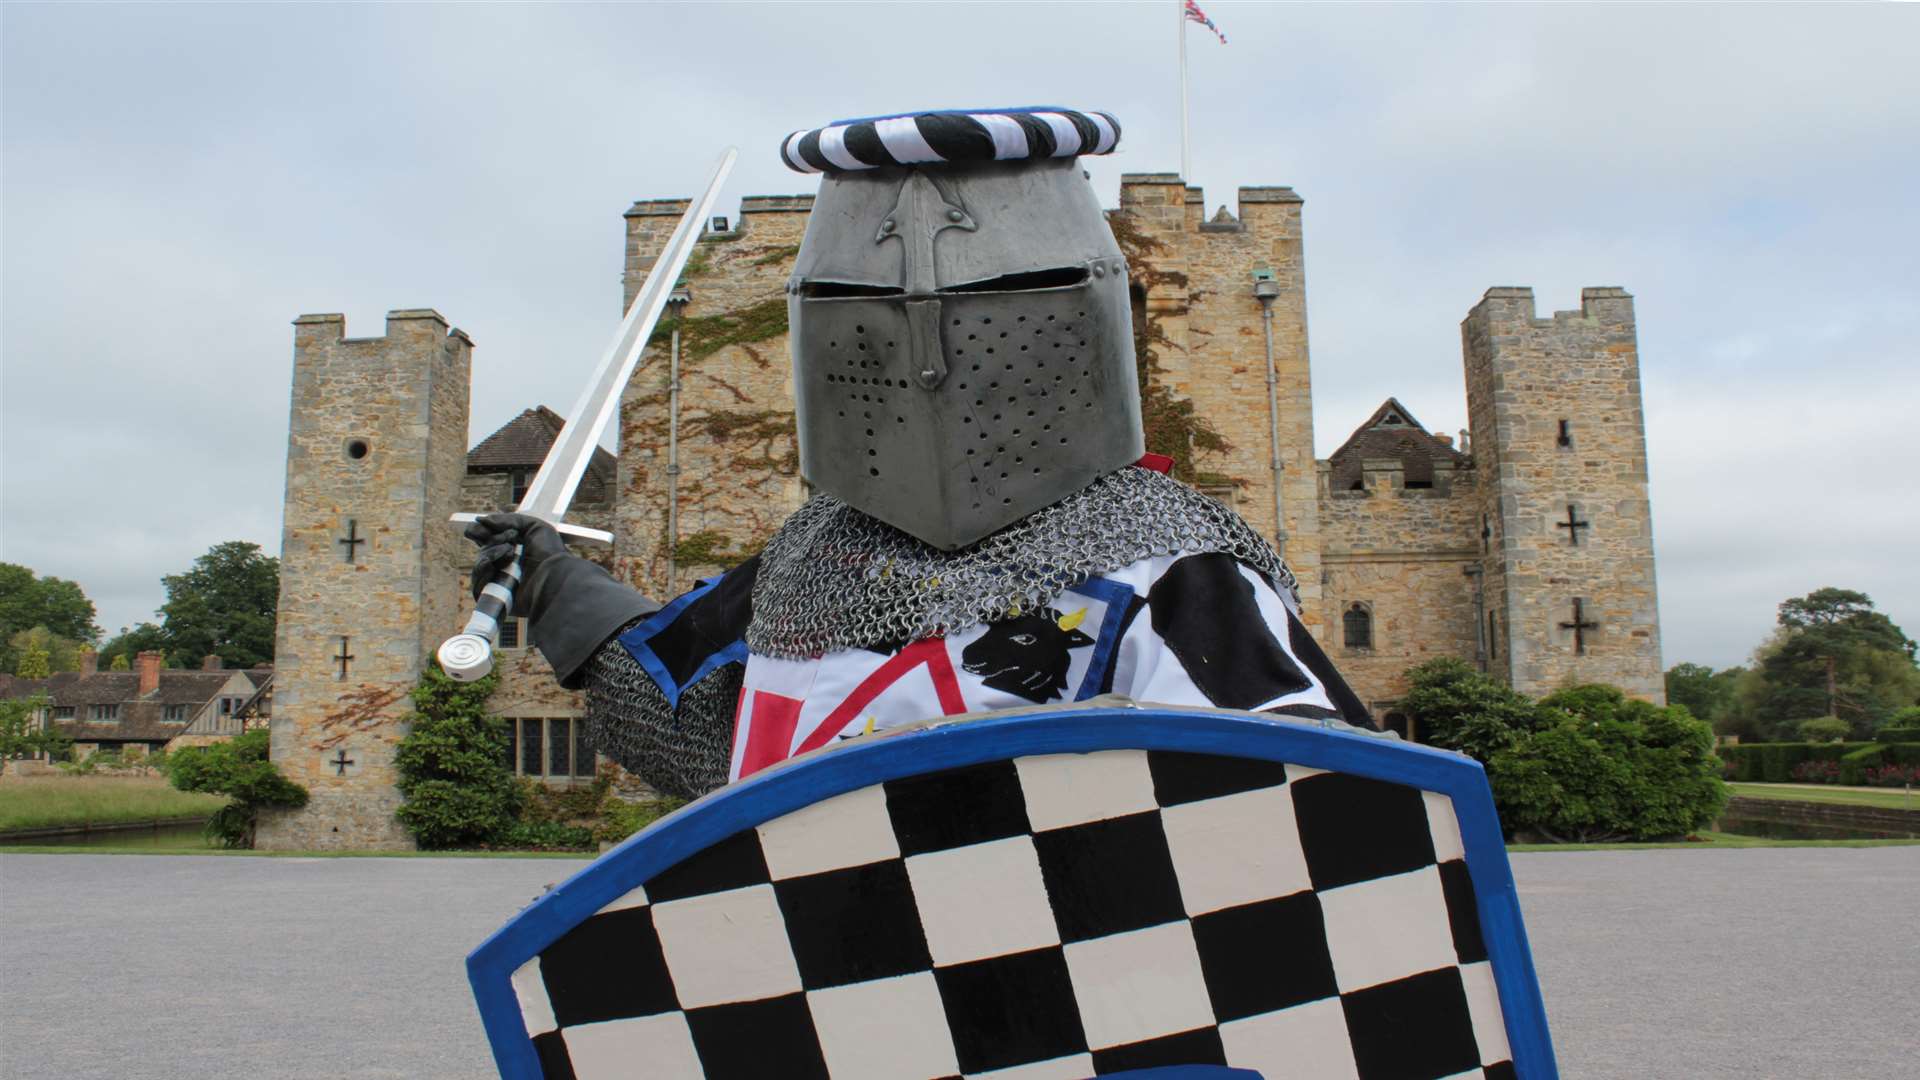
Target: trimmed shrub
[[1461, 709], [458, 788], [240, 769], [1607, 767], [1891, 734], [1824, 729], [620, 820]]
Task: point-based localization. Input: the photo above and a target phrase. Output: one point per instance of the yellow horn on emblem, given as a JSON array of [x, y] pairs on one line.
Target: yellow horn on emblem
[[1068, 622]]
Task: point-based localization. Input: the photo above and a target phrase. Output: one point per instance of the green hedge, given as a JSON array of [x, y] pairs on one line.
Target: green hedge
[[1897, 735], [1774, 762]]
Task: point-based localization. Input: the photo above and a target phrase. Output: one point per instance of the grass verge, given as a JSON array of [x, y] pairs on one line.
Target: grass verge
[[1890, 799], [47, 802]]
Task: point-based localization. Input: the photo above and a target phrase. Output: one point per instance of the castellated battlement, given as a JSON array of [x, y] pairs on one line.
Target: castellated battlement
[[1146, 192], [1515, 304], [411, 325]]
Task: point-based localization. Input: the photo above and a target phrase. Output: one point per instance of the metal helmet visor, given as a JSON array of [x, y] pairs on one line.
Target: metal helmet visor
[[963, 345]]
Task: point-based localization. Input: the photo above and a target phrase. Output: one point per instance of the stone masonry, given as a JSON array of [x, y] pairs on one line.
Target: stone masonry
[[368, 565], [1558, 428]]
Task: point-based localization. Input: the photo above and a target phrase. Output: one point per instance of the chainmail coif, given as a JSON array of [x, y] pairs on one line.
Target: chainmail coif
[[833, 578]]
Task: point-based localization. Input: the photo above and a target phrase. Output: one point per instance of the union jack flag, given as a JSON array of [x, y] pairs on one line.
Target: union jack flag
[[1194, 14]]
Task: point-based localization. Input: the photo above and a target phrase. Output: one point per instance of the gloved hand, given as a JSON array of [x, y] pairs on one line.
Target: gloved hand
[[498, 536], [571, 605]]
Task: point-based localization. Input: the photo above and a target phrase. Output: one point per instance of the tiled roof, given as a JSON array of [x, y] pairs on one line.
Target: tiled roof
[[1390, 433], [523, 444], [141, 719]]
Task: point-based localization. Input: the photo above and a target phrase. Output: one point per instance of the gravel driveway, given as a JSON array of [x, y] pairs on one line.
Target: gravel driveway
[[1788, 962]]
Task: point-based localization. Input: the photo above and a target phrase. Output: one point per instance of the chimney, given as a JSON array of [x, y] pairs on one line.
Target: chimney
[[1445, 439], [89, 662], [212, 662], [148, 665]]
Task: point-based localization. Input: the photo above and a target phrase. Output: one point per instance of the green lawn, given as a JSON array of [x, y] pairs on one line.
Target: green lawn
[[40, 802], [1891, 798]]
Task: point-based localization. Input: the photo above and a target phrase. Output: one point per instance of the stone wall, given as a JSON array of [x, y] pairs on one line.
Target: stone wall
[[376, 450], [1206, 344], [738, 459], [1410, 557], [1530, 380]]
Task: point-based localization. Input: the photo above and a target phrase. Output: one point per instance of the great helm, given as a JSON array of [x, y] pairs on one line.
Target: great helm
[[962, 337]]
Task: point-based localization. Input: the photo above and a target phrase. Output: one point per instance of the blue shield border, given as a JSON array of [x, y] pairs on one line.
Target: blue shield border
[[861, 763]]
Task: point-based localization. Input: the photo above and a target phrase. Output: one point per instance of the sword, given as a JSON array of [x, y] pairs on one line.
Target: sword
[[468, 655]]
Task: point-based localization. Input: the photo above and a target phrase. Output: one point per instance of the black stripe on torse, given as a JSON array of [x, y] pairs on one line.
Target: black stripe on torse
[[809, 150], [956, 136], [1040, 140], [863, 142]]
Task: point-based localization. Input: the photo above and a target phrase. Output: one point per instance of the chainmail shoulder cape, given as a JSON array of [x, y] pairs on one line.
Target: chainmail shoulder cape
[[833, 578]]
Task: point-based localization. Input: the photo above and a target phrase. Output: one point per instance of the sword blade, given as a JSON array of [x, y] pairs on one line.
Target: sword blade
[[559, 477]]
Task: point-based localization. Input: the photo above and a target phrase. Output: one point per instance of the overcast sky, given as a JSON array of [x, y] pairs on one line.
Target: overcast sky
[[178, 182]]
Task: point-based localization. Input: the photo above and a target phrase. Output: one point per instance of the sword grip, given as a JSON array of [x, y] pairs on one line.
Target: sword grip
[[468, 655]]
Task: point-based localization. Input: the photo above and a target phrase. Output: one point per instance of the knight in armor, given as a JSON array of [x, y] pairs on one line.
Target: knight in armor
[[985, 531]]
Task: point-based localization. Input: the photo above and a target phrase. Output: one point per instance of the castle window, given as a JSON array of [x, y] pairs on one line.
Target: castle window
[[104, 713], [175, 714], [63, 712], [1493, 636], [519, 479], [1566, 435], [548, 748], [510, 634], [1357, 626]]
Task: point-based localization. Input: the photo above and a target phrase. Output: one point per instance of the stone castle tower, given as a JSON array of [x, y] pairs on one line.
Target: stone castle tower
[[369, 564], [1557, 423], [1525, 549]]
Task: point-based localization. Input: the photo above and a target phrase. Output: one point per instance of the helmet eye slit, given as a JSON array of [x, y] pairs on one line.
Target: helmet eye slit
[[846, 290], [1061, 277]]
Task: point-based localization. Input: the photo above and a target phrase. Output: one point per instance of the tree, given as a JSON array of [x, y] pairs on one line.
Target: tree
[[1706, 693], [224, 605], [239, 769], [1831, 655], [33, 663], [1460, 709], [28, 601], [60, 654], [21, 734], [458, 786], [118, 652]]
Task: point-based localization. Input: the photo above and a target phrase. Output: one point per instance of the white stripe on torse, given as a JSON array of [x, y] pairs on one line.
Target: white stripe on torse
[[1009, 138], [833, 147], [902, 138], [1066, 136], [791, 151], [1108, 136]]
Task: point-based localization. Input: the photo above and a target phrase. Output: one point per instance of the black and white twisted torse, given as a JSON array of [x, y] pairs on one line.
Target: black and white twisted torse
[[956, 135]]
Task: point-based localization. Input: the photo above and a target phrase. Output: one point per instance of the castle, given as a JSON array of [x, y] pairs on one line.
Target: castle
[[1525, 549]]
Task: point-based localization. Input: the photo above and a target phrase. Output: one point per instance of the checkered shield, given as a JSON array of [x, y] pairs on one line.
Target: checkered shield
[[1060, 892]]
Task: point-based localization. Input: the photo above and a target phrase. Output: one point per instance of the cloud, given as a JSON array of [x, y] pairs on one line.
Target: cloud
[[181, 181]]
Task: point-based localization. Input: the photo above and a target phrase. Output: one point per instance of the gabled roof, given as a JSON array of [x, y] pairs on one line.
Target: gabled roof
[[140, 718], [523, 442], [1392, 432]]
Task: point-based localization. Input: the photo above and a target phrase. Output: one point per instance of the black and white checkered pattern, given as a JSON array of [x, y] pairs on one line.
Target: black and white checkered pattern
[[948, 136], [1055, 916]]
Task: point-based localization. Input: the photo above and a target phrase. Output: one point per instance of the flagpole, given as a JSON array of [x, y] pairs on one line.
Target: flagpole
[[1186, 149]]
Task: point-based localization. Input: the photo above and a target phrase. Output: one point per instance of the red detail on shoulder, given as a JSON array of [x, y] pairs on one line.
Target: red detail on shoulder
[[1157, 462]]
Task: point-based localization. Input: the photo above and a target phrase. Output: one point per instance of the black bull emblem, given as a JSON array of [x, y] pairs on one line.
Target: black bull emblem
[[1028, 655]]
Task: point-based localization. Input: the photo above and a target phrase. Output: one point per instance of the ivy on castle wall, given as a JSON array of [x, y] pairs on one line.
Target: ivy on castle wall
[[747, 451], [1174, 428]]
